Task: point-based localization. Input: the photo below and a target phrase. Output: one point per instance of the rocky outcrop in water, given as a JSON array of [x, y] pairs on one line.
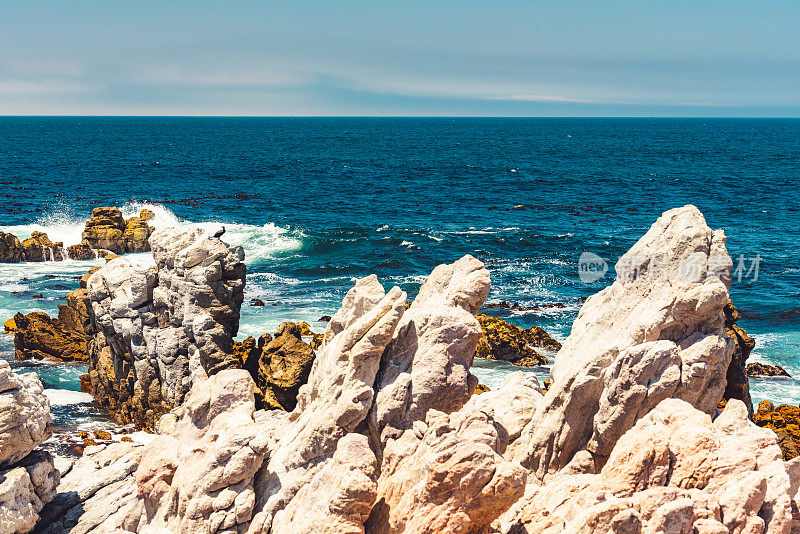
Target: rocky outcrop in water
[[504, 341], [27, 476], [36, 248], [160, 328], [737, 386], [763, 369], [10, 249], [81, 251], [283, 366], [39, 337], [61, 338], [108, 230], [784, 420]]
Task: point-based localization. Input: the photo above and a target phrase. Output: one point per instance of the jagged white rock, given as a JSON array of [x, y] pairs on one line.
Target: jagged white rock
[[446, 474], [426, 365], [27, 476], [336, 399], [512, 404], [173, 321], [200, 478], [674, 471], [338, 499], [24, 490], [24, 415], [98, 493], [656, 332]]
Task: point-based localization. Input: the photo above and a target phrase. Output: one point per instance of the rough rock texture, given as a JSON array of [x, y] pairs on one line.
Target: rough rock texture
[[446, 474], [200, 477], [27, 476], [763, 369], [24, 415], [60, 338], [10, 249], [24, 490], [434, 464], [338, 499], [336, 399], [502, 340], [38, 247], [427, 362], [441, 463], [136, 234], [657, 332], [219, 466], [283, 366], [784, 420], [85, 277], [674, 471], [387, 437], [279, 365], [97, 492], [737, 386], [104, 229], [108, 230], [512, 404], [81, 251], [162, 328]]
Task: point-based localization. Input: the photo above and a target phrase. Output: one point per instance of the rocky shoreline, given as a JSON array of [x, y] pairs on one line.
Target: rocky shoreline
[[374, 426], [106, 232]]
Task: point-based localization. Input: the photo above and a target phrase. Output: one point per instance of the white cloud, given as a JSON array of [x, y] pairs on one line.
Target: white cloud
[[539, 98], [212, 76], [26, 88]]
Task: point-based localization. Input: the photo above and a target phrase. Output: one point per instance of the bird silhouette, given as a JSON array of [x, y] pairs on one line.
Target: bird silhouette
[[220, 232]]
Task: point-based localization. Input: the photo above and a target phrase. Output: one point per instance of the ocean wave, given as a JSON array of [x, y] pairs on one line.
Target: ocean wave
[[409, 245], [259, 242]]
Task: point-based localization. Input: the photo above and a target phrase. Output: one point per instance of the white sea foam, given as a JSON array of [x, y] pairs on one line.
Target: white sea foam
[[259, 242], [13, 287], [62, 397]]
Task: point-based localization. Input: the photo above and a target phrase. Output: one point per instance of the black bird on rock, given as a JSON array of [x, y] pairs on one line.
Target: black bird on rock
[[220, 232]]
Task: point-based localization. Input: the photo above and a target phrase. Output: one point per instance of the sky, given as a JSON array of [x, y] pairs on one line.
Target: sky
[[401, 58]]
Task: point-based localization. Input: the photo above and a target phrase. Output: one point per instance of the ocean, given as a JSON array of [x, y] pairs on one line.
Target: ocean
[[319, 202]]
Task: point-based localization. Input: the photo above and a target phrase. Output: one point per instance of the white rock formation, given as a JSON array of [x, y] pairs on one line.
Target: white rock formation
[[200, 478], [512, 404], [336, 399], [27, 476], [24, 490], [386, 438], [24, 415], [446, 474], [426, 365], [339, 497], [674, 471], [657, 332], [97, 493], [169, 325]]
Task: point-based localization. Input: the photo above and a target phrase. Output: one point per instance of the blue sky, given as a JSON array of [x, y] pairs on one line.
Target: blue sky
[[501, 58]]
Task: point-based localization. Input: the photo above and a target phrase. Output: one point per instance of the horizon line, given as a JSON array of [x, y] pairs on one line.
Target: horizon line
[[211, 116]]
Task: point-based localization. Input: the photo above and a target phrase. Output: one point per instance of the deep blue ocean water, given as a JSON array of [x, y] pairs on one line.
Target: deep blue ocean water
[[318, 202]]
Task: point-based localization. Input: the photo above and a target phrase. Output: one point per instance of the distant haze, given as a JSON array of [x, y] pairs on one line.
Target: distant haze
[[443, 58]]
